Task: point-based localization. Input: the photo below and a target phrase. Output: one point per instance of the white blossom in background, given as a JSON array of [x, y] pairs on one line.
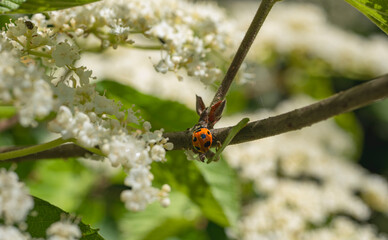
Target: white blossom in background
[[63, 230], [186, 32], [15, 201], [305, 178], [305, 29], [128, 66], [25, 87], [12, 233]]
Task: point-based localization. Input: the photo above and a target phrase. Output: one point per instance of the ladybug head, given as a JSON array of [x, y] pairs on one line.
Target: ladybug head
[[209, 116]]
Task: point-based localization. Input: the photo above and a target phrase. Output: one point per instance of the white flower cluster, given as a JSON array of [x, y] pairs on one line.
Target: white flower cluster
[[15, 204], [24, 86], [11, 233], [186, 32], [304, 29], [63, 230], [305, 179], [87, 121], [82, 115]]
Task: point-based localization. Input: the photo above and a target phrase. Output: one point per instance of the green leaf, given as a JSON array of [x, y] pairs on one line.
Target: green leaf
[[169, 115], [229, 138], [63, 183], [36, 6], [375, 10], [157, 222], [47, 214], [201, 184], [223, 184], [7, 111]]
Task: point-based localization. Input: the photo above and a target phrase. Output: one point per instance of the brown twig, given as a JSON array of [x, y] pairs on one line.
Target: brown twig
[[63, 151], [342, 102], [246, 43]]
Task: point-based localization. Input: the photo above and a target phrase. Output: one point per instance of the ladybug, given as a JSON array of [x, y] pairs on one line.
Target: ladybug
[[202, 139]]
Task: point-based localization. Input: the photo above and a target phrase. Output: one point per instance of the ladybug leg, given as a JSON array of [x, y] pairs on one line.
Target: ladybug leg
[[218, 145], [210, 155], [202, 157]]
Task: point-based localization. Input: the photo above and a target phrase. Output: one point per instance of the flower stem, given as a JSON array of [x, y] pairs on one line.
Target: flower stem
[[93, 150], [145, 47], [38, 54], [34, 149], [258, 20]]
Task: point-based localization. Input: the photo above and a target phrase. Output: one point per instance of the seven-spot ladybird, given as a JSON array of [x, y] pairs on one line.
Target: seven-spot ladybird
[[202, 139]]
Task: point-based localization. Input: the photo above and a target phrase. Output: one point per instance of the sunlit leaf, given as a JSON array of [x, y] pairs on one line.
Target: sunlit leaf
[[223, 184], [375, 10], [36, 6], [46, 214]]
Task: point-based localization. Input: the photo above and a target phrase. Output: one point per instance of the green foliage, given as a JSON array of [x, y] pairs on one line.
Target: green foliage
[[63, 183], [38, 6], [157, 222], [202, 184], [224, 186], [46, 214], [169, 115], [7, 111], [375, 10]]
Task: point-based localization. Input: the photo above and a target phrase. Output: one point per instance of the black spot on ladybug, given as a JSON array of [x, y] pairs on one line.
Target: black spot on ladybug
[[197, 148], [208, 132], [29, 25], [203, 136], [194, 139], [198, 130], [207, 144]]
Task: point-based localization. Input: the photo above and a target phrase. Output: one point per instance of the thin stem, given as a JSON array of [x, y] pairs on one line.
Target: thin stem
[[144, 47], [31, 150], [92, 150], [257, 22], [38, 54]]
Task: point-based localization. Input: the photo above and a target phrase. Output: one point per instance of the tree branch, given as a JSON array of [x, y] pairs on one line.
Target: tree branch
[[257, 22], [342, 102], [63, 151]]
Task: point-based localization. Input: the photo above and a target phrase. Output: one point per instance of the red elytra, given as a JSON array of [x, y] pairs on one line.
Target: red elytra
[[202, 139]]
